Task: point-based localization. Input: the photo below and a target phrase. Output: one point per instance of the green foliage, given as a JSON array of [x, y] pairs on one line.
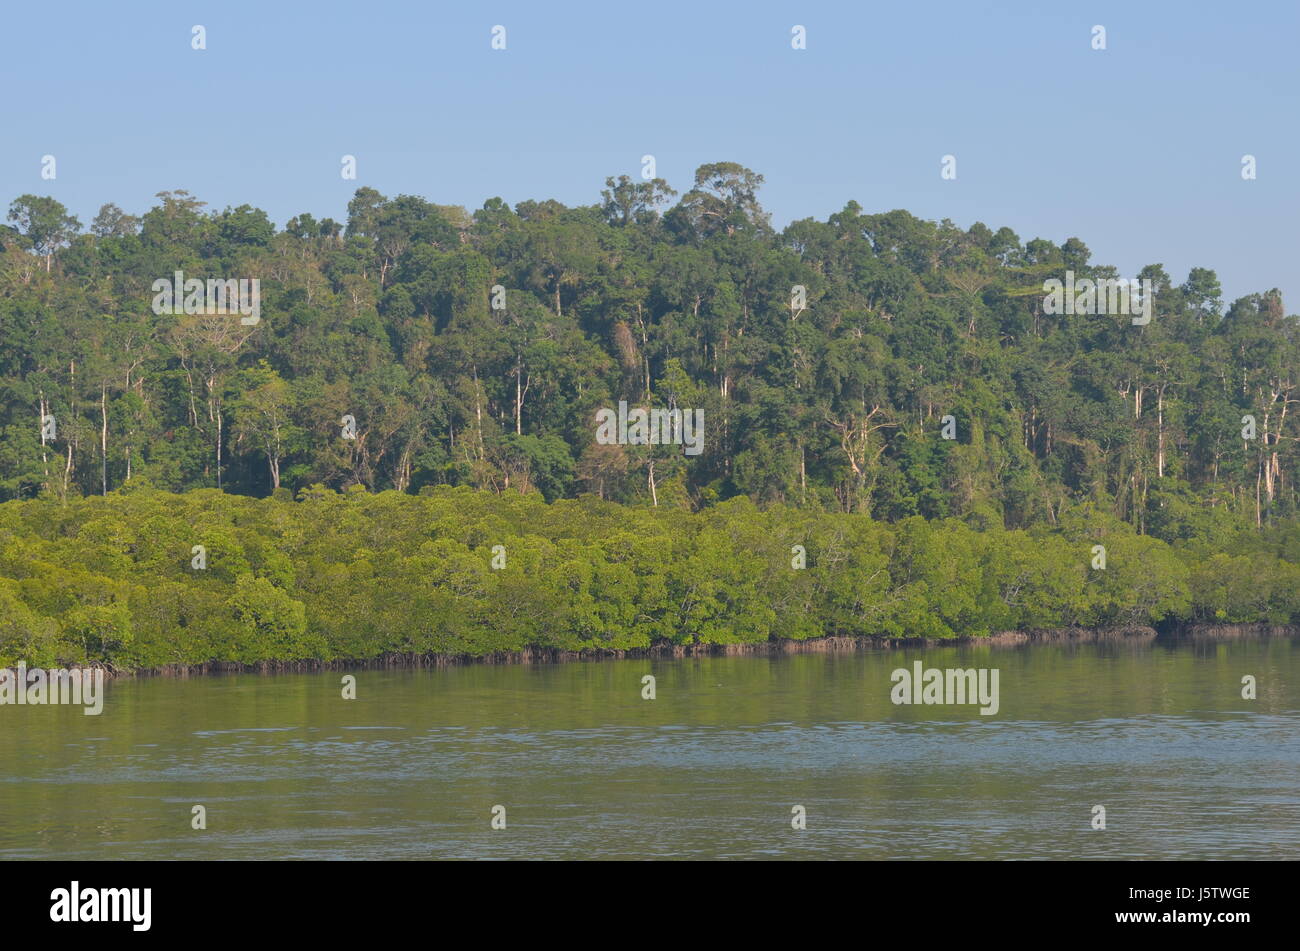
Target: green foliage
[[358, 574], [474, 412], [835, 403], [268, 623]]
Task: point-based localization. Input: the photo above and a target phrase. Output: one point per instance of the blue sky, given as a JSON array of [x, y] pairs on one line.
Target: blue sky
[[1136, 149]]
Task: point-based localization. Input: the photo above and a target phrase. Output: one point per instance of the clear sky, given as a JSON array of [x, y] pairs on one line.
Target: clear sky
[[1136, 149]]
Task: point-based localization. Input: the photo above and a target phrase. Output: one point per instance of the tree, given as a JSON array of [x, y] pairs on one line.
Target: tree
[[628, 202], [263, 416], [112, 222], [724, 200], [45, 223]]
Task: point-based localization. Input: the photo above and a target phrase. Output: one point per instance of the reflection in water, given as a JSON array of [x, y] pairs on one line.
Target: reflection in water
[[1157, 733]]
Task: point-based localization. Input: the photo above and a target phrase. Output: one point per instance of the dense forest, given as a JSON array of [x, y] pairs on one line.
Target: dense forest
[[472, 351]]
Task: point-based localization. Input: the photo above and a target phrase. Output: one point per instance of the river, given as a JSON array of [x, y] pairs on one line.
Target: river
[[1156, 732]]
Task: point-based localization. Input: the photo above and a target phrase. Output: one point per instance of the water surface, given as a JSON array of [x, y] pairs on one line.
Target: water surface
[[585, 768]]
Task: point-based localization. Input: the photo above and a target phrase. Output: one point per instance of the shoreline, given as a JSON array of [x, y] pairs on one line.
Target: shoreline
[[830, 644]]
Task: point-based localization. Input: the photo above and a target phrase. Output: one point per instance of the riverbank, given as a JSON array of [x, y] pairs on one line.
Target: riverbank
[[778, 646]]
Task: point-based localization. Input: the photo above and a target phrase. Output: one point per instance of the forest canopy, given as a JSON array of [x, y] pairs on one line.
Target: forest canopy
[[830, 398]]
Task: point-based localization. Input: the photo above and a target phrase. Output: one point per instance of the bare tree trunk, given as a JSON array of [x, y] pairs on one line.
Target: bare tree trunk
[[1258, 474], [45, 459], [478, 413], [67, 471], [194, 412], [103, 436], [803, 478], [218, 448], [645, 351], [402, 475], [70, 439], [1160, 431]]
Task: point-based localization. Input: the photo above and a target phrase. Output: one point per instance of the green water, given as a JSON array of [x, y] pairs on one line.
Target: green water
[[1158, 734]]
